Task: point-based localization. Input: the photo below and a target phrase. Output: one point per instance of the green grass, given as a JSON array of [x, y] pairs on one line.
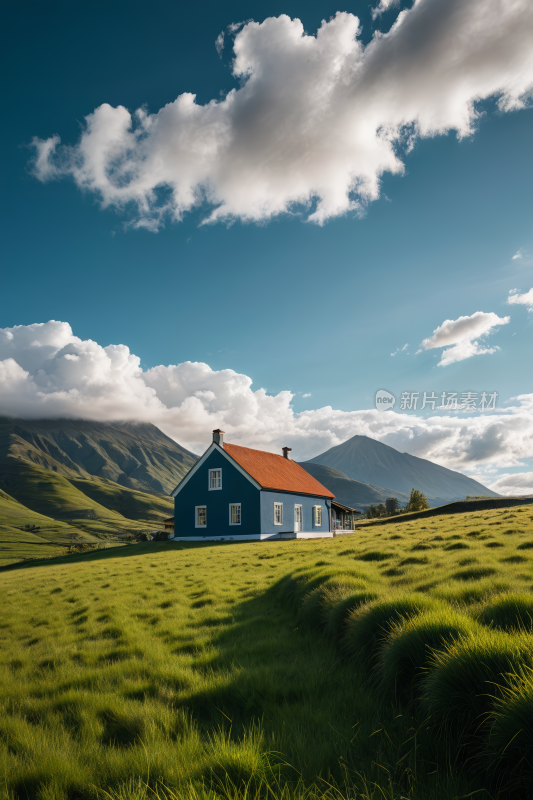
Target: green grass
[[288, 669], [127, 502], [43, 514]]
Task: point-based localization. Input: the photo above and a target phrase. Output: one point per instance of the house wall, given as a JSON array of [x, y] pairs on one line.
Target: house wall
[[289, 501], [236, 488]]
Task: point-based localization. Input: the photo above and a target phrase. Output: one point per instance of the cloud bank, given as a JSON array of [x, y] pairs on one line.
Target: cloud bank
[[47, 371], [517, 483], [316, 121], [463, 334]]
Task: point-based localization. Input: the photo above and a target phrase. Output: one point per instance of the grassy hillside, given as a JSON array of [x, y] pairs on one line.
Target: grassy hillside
[[27, 534], [66, 514], [127, 502], [135, 455], [369, 662], [352, 493], [47, 493]]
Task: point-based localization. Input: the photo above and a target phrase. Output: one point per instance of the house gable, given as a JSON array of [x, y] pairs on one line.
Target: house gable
[[204, 510], [200, 463]]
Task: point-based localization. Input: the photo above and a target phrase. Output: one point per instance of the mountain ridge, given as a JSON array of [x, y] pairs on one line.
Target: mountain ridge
[[368, 461], [136, 455]]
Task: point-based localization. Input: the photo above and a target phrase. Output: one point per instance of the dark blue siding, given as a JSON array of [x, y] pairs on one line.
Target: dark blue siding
[[235, 489]]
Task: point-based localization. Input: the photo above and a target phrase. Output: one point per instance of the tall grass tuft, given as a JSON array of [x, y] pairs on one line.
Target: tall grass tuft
[[368, 625], [411, 643], [458, 690], [508, 613], [509, 750]]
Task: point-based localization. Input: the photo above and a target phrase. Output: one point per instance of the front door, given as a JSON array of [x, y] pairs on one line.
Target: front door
[[298, 521]]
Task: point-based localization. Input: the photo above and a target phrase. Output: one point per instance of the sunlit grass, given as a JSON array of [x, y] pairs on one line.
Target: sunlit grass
[[258, 669]]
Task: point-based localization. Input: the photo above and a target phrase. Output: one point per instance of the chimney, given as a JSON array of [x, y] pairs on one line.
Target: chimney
[[218, 437], [286, 451]]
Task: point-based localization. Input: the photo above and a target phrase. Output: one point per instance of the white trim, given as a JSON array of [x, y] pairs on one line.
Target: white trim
[[214, 488], [232, 505], [202, 461], [196, 525], [281, 521], [298, 505], [256, 537]]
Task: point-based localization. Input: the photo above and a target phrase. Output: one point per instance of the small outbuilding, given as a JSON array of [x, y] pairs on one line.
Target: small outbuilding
[[235, 492]]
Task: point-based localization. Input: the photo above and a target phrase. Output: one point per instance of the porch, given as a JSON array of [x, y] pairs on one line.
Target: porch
[[343, 517]]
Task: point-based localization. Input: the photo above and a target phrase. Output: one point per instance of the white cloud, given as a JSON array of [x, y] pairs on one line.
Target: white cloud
[[525, 299], [316, 120], [383, 6], [47, 371], [307, 394], [463, 333], [400, 349], [518, 254], [517, 483]]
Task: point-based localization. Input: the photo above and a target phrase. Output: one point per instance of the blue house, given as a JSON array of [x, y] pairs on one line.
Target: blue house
[[235, 492]]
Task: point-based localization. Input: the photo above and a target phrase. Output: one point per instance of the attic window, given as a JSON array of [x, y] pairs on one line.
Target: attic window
[[215, 479]]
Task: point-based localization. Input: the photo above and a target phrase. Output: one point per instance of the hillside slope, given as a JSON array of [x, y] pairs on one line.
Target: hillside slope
[[349, 492], [369, 461], [136, 455], [55, 492]]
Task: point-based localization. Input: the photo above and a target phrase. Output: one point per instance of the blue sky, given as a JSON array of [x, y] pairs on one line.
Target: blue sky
[[314, 309]]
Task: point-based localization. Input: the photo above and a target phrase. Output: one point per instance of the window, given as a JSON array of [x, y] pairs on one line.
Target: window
[[235, 514], [278, 513], [317, 516], [215, 479], [201, 516]]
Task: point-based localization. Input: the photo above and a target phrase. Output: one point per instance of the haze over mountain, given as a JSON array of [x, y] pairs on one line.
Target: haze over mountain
[[371, 462], [349, 492]]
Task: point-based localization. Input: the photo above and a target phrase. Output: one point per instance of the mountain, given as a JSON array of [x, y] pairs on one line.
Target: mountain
[[349, 492], [67, 483], [369, 461], [136, 455]]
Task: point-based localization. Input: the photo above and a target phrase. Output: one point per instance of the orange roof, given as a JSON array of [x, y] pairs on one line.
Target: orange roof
[[276, 472]]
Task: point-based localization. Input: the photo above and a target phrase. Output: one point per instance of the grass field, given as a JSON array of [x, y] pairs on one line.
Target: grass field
[[392, 663], [43, 514]]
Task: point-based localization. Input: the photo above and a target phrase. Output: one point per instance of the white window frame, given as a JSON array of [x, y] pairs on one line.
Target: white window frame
[[196, 509], [300, 506], [317, 516], [280, 505], [235, 505], [214, 488]]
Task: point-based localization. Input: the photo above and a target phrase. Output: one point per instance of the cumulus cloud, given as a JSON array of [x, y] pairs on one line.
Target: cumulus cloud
[[517, 483], [316, 120], [525, 299], [47, 371], [518, 254], [463, 334]]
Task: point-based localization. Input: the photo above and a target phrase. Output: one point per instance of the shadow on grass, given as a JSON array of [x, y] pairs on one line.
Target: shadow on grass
[[121, 551]]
